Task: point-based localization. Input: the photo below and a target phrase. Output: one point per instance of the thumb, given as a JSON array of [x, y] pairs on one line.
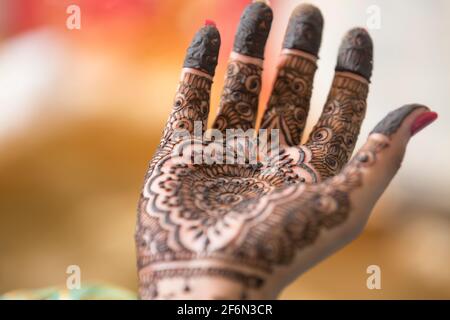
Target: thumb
[[376, 163]]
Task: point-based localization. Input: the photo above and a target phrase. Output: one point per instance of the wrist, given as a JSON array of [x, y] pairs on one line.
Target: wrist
[[201, 280]]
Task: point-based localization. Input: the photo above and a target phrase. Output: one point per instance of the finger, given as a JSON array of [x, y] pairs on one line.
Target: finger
[[239, 101], [191, 103], [288, 105], [328, 215], [370, 171], [333, 138]]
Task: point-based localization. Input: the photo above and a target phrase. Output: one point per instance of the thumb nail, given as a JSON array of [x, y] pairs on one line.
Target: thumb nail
[[422, 121]]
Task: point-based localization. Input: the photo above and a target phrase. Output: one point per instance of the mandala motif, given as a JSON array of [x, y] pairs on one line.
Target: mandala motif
[[200, 216], [205, 207]]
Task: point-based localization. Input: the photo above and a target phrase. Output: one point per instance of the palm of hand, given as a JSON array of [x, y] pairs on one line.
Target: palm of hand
[[201, 216], [208, 206]]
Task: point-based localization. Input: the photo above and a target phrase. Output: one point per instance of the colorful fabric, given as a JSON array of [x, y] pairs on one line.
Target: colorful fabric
[[86, 292]]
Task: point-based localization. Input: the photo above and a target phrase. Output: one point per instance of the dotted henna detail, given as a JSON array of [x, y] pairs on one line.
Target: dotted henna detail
[[149, 281]]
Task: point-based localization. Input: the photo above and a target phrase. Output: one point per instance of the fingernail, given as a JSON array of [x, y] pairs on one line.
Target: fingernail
[[422, 121], [209, 22]]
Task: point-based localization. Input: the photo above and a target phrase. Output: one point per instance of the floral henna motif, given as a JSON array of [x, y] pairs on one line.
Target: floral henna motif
[[205, 211], [288, 106], [334, 136], [236, 214], [239, 222], [205, 207], [191, 104], [239, 100]]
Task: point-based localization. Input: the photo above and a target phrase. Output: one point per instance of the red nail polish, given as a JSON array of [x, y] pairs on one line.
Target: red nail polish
[[422, 121], [209, 22]]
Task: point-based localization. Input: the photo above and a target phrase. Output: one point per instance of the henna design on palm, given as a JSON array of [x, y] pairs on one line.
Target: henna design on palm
[[245, 223]]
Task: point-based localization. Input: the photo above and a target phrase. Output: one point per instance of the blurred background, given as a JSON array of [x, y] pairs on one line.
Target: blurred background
[[81, 112]]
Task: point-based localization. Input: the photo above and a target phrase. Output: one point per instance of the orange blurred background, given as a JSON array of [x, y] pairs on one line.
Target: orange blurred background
[[82, 112]]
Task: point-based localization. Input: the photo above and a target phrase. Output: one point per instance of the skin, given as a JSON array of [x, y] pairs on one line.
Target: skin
[[243, 231]]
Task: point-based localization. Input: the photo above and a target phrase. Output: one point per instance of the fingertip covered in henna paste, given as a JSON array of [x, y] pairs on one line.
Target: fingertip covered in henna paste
[[253, 30], [203, 52], [356, 53], [304, 31], [394, 119]]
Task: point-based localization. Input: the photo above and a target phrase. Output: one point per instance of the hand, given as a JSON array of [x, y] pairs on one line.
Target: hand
[[221, 230]]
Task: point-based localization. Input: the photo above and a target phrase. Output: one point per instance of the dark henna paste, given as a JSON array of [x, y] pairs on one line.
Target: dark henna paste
[[288, 105], [203, 52], [247, 219], [304, 31], [356, 53], [197, 207], [253, 30], [394, 119]]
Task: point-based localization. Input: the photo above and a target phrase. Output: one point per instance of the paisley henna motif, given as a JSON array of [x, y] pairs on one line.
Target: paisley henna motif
[[236, 214], [333, 138], [242, 222], [288, 105], [239, 101], [191, 104], [203, 208]]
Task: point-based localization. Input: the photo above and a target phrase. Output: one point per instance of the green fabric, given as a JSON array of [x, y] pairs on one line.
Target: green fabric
[[86, 292]]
